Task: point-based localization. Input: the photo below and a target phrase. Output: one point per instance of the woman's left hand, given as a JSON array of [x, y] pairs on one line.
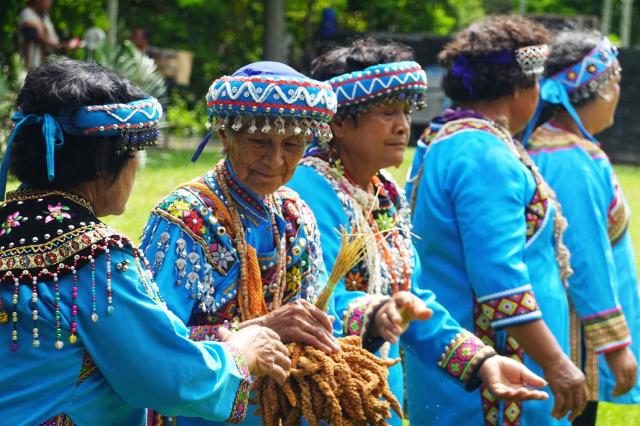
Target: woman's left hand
[[393, 318], [510, 380]]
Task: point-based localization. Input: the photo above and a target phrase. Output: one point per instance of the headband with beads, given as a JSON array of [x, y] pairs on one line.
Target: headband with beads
[[359, 90], [135, 122], [578, 82], [592, 72], [268, 95]]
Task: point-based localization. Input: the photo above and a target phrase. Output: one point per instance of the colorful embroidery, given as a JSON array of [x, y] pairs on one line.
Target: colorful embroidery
[[201, 203], [12, 221], [619, 214], [241, 402], [461, 357], [57, 212], [357, 316], [510, 307], [46, 251], [59, 420], [88, 368], [606, 331]]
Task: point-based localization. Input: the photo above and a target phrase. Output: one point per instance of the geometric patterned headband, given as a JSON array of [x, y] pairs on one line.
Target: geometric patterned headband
[[135, 122], [598, 62], [265, 96], [359, 90]]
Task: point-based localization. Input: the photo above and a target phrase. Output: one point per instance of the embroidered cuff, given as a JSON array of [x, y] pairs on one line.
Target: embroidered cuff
[[210, 332], [241, 401], [606, 331], [359, 314], [464, 355], [510, 307]]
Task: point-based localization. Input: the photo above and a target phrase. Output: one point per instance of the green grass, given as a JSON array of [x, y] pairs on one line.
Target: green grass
[[165, 170]]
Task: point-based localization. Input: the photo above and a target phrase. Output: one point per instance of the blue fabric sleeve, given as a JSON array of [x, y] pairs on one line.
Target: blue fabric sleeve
[[143, 351], [584, 187], [489, 188]]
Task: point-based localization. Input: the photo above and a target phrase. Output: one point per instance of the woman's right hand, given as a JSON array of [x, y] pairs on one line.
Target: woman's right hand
[[568, 385], [300, 322], [262, 350]]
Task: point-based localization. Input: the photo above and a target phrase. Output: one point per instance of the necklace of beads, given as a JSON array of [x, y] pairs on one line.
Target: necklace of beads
[[278, 286]]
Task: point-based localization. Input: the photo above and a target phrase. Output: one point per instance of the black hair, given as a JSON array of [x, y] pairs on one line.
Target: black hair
[[63, 85], [360, 54], [490, 36]]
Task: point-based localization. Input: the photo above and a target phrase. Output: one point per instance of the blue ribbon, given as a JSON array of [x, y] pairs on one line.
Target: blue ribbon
[[201, 146], [553, 92], [53, 139]]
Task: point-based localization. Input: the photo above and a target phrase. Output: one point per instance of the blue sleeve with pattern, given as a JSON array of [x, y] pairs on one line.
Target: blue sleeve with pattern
[[585, 190], [143, 350], [489, 188]]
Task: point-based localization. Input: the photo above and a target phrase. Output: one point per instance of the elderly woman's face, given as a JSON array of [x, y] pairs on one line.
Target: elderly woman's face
[[606, 103], [378, 138], [263, 161]]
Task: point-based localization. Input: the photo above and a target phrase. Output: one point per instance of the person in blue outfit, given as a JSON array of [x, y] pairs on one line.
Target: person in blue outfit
[[488, 230], [234, 247], [581, 91], [345, 185], [86, 336]]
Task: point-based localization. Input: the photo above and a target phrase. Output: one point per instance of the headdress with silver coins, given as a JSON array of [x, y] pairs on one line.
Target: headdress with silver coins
[[578, 82], [268, 95], [136, 123], [359, 90]]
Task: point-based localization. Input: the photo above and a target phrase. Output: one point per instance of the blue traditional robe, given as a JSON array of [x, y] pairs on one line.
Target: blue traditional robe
[[191, 244], [604, 286], [337, 202], [86, 336], [484, 234]]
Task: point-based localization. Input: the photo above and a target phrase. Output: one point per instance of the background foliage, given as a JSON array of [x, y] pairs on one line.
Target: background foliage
[[224, 35]]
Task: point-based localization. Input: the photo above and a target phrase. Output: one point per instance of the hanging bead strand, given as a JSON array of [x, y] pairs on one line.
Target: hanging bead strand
[[34, 301], [14, 315]]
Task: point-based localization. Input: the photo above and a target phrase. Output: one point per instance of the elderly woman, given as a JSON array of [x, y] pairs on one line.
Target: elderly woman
[[581, 91], [233, 247], [345, 185], [489, 227], [89, 339]]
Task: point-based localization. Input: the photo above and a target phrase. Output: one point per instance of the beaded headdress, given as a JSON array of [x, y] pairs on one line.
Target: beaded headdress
[[267, 95], [359, 90], [594, 71], [532, 58], [135, 122], [578, 82]]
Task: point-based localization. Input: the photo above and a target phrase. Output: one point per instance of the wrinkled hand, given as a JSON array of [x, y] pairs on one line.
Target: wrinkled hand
[[510, 380], [624, 367], [393, 318], [569, 388], [262, 350], [301, 322]]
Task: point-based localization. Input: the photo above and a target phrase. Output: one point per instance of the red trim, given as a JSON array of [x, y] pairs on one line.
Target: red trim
[[319, 85], [275, 107]]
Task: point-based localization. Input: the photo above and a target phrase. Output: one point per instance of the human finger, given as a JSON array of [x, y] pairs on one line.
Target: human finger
[[320, 317], [559, 409], [224, 334], [529, 378]]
